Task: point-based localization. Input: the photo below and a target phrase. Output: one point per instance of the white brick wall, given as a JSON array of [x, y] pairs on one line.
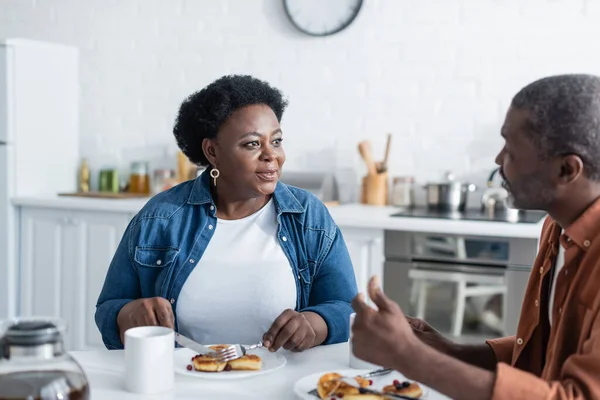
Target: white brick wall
[[438, 74]]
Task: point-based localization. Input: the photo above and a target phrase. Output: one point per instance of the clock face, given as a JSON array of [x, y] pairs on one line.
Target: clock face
[[322, 17]]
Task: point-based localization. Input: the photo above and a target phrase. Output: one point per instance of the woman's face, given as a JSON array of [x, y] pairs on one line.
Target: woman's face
[[248, 151]]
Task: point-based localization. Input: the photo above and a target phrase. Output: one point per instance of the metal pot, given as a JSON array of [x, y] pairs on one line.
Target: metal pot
[[450, 195]]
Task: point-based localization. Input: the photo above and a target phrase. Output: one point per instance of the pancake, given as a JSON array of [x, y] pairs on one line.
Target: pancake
[[408, 389], [329, 386], [249, 362], [206, 363]]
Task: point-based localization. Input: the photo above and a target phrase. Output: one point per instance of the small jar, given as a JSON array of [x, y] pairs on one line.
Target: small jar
[[139, 179], [108, 181], [163, 179], [403, 194]]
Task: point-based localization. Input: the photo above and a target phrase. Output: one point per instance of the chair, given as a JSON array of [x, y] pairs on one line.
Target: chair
[[466, 284]]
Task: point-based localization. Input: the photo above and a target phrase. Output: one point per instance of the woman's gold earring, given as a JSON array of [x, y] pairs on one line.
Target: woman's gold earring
[[214, 173]]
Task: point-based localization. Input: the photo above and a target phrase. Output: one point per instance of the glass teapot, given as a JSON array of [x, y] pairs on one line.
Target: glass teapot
[[34, 365]]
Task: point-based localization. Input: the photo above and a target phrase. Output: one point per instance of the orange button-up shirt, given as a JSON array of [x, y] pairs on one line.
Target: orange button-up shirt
[[561, 361]]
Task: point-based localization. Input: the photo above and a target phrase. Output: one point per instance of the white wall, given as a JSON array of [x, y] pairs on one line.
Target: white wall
[[437, 73]]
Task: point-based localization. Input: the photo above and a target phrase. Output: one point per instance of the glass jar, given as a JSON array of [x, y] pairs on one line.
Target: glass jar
[[164, 179], [139, 178], [403, 194], [34, 365]]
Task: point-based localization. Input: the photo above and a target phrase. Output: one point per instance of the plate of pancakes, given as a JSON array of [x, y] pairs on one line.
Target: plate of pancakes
[[257, 362], [330, 387]]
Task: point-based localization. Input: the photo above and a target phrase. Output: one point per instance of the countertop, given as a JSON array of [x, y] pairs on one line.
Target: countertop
[[345, 215]]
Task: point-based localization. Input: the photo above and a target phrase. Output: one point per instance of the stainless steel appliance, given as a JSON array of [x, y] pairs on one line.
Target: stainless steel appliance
[[467, 254], [322, 184]]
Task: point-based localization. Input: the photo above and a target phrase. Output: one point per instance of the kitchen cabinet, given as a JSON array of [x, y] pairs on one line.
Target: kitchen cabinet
[[365, 246], [64, 256]]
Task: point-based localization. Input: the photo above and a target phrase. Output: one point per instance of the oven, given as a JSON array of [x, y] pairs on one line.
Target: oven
[[456, 269]]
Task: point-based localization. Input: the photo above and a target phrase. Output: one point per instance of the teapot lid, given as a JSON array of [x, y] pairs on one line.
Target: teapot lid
[[32, 332]]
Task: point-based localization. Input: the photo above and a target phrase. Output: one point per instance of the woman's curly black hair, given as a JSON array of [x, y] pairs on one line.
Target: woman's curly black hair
[[202, 113]]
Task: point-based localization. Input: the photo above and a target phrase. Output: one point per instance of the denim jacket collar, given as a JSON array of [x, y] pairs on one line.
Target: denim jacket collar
[[285, 200]]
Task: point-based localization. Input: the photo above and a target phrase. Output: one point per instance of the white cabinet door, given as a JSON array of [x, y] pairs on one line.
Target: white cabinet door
[[64, 259], [366, 251], [46, 268], [101, 233]]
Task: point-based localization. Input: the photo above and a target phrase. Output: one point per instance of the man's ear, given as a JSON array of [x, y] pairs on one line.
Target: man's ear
[[571, 168], [210, 151]]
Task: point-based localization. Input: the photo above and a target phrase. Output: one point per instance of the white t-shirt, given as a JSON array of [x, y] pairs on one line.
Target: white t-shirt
[[242, 283], [559, 263]]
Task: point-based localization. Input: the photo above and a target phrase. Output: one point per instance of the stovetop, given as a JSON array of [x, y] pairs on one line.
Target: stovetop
[[527, 217]]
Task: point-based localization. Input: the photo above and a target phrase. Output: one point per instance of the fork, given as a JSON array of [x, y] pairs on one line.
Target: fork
[[234, 351], [222, 355]]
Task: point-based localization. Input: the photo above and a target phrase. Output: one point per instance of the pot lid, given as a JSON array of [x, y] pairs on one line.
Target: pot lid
[[32, 331]]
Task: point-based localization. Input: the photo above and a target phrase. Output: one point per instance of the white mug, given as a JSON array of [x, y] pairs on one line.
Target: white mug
[[356, 362], [149, 353]]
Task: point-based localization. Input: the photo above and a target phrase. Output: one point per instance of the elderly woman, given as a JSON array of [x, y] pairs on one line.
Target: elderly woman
[[234, 256]]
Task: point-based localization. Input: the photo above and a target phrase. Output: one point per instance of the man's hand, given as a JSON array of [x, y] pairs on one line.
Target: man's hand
[[154, 311], [292, 331], [382, 337]]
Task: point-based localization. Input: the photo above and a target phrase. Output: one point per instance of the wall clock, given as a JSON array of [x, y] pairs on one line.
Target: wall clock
[[321, 17]]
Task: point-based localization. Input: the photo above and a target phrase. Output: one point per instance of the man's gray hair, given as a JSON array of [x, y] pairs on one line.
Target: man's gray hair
[[565, 117]]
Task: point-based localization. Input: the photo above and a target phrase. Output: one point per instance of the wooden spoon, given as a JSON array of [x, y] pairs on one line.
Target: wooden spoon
[[382, 166], [364, 148]]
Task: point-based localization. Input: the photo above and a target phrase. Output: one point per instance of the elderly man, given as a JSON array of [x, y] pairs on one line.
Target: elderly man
[[550, 161]]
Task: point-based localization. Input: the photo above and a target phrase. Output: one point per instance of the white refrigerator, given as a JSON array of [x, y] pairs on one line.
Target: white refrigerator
[[39, 140]]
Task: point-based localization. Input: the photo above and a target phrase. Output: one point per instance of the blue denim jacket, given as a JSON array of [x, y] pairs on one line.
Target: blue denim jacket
[[164, 241]]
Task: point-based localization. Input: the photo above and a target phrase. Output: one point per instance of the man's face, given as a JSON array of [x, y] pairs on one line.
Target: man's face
[[527, 178]]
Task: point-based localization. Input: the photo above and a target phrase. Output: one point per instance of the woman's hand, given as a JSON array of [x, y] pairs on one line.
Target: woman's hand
[[154, 311], [295, 331]]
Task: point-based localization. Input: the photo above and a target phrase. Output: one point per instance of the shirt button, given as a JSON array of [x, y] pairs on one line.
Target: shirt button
[[520, 341], [172, 301], [192, 261], [212, 208], [537, 303], [158, 262], [566, 271], [210, 227], [541, 270], [284, 238], [586, 243]]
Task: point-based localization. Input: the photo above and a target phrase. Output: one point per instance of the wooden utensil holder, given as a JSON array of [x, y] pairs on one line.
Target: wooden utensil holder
[[375, 189]]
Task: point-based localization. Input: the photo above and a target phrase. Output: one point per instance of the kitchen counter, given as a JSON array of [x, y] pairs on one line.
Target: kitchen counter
[[363, 216], [345, 215], [82, 203]]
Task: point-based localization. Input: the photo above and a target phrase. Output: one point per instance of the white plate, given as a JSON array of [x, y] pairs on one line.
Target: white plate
[[308, 383], [270, 362]]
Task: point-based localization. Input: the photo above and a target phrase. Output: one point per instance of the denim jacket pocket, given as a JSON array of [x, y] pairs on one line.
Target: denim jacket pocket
[[155, 257]]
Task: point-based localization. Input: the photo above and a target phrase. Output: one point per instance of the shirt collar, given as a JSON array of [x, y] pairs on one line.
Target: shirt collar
[[285, 201], [583, 231]]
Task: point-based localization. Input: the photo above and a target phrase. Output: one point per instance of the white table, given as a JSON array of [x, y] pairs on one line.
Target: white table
[[105, 370]]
